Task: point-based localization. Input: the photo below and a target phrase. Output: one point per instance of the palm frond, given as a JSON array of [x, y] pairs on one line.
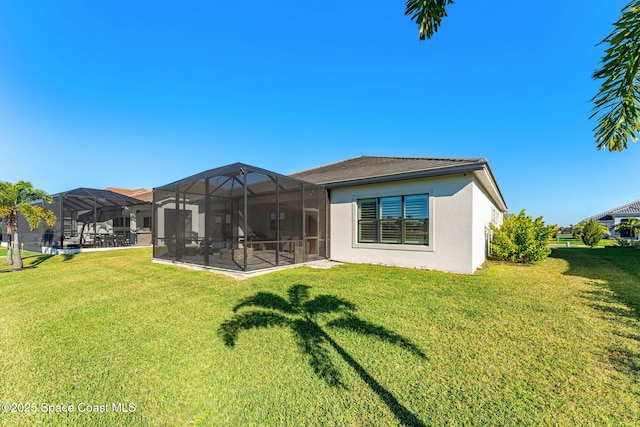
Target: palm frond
[[34, 214], [617, 103], [428, 14]]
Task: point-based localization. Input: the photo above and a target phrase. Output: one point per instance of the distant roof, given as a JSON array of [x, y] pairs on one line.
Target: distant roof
[[366, 168], [82, 198], [143, 194], [632, 209]]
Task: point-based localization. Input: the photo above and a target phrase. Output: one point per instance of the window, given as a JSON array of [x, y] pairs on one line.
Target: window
[[122, 222], [146, 222], [272, 225], [394, 220]]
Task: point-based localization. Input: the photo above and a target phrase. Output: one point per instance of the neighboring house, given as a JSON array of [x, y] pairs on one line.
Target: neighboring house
[[418, 212], [143, 194], [86, 217], [141, 217], [612, 218]]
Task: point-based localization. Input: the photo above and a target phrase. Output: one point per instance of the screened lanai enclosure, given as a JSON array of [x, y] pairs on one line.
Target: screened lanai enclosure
[[88, 217], [239, 217]]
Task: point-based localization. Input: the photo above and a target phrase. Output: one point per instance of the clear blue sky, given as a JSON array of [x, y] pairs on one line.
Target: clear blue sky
[[139, 94]]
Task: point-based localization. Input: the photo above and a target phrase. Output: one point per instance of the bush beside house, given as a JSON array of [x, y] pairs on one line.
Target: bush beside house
[[521, 239]]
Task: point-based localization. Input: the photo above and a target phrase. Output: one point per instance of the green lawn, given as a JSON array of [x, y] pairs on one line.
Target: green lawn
[[579, 243], [28, 259], [552, 344]]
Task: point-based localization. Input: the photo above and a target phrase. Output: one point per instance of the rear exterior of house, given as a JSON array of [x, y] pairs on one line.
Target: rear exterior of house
[[417, 212]]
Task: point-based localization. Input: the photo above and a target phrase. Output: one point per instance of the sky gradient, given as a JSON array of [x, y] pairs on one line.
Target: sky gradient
[[140, 94]]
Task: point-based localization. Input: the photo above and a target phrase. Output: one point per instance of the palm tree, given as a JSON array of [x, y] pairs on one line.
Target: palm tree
[[17, 200], [302, 316], [617, 103], [632, 225]]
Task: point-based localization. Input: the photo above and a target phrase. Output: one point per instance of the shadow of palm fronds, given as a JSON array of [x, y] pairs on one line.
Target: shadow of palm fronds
[[355, 324], [326, 304], [41, 258], [230, 329], [297, 294], [301, 315], [266, 300]]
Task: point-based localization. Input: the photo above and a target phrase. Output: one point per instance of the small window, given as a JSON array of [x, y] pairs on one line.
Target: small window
[[122, 222]]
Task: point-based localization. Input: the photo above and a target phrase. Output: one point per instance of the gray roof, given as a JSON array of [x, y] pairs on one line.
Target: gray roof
[[82, 199], [632, 209], [379, 168]]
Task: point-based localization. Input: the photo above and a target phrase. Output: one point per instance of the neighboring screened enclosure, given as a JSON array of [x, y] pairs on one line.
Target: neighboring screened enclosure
[[87, 217], [239, 217]]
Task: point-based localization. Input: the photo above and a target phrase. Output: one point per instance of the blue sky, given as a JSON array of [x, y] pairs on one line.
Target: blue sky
[[139, 94]]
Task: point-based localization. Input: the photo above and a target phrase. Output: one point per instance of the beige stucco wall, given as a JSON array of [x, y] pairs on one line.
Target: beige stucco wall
[[459, 211]]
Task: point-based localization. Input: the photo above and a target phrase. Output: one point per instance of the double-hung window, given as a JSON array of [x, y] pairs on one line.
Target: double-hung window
[[394, 220]]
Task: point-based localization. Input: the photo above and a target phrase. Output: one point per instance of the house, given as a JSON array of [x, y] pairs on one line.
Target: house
[[614, 217], [143, 194], [417, 212]]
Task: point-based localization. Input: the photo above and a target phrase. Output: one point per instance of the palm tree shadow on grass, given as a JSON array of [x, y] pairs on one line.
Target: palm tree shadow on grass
[[39, 259], [302, 315]]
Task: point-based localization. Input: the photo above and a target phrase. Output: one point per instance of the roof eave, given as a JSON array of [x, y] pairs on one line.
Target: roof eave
[[404, 176], [490, 184], [488, 181]]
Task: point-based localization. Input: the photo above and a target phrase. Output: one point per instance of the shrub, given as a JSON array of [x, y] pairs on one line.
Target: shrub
[[623, 243], [521, 239], [592, 232]]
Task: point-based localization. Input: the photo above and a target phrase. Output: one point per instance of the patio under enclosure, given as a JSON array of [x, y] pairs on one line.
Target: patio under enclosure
[[239, 217]]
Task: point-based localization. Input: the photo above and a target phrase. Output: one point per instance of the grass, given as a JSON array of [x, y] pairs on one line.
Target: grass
[[578, 242], [29, 259], [550, 344]]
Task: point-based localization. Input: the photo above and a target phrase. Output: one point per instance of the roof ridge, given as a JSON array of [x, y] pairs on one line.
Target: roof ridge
[[607, 212], [456, 159], [365, 156]]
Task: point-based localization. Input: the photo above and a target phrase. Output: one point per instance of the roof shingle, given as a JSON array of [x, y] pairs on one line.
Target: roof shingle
[[372, 167], [632, 208]]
